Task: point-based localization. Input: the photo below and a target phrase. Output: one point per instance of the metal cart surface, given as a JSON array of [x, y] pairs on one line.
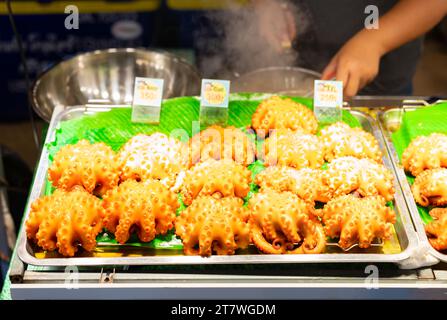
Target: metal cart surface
[[425, 278]]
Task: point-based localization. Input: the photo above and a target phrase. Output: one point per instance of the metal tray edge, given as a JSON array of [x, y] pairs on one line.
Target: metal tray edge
[[191, 260], [408, 196]]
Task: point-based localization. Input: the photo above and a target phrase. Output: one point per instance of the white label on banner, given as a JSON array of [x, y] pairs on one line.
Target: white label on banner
[[148, 94]]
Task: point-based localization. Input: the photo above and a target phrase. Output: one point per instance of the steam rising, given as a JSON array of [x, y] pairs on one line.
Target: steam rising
[[230, 41]]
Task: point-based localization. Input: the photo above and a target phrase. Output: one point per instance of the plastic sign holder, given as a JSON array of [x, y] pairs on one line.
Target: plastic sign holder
[[328, 101], [214, 102], [147, 97]]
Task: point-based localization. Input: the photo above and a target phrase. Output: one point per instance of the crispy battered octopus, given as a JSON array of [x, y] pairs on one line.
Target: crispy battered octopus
[[437, 229], [358, 220], [153, 157], [279, 113], [305, 183], [280, 222], [92, 166], [340, 140], [65, 221], [147, 207], [218, 143], [430, 187], [213, 225], [425, 152], [294, 149], [222, 177], [364, 176]]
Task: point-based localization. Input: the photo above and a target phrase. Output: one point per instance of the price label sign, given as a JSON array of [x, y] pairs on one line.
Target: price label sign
[[147, 97], [214, 102], [328, 101]]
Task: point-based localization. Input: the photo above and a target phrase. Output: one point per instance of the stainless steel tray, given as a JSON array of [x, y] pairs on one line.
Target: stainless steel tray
[[405, 233], [390, 121]]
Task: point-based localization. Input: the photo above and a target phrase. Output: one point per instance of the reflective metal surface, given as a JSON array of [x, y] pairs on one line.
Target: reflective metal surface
[[109, 75], [405, 234], [390, 121], [282, 80]]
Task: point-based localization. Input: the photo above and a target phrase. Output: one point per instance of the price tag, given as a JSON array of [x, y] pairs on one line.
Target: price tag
[[214, 102], [148, 93], [328, 101]]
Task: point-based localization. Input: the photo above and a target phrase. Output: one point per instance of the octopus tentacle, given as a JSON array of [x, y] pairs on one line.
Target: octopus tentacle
[[430, 187], [358, 220], [218, 143], [280, 220], [437, 229], [306, 183], [425, 152], [92, 166], [156, 156], [279, 113], [349, 174], [223, 177], [340, 140], [147, 207], [65, 220], [292, 148], [213, 225]]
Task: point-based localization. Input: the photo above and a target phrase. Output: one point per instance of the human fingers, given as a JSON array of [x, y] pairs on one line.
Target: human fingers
[[330, 71], [352, 85]]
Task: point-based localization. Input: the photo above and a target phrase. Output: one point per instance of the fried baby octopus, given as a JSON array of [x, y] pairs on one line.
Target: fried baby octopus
[[425, 152], [294, 149], [340, 140], [357, 220], [279, 113], [280, 223], [364, 176], [306, 183], [153, 157], [218, 143], [145, 207], [65, 221], [221, 177], [430, 187], [92, 166], [213, 225], [437, 229]]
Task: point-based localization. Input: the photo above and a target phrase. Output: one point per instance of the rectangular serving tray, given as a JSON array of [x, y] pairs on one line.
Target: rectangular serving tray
[[390, 121], [405, 233]]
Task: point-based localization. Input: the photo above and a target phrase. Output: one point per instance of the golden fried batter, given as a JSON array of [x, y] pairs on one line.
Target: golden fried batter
[[153, 157], [358, 220], [65, 221], [368, 178], [212, 225], [305, 183], [92, 166], [218, 143], [340, 140], [147, 207], [294, 149], [223, 177], [279, 113], [430, 187], [437, 229], [425, 152], [280, 222]]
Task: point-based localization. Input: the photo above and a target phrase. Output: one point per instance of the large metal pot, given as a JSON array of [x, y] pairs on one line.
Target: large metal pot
[[291, 81], [109, 75]]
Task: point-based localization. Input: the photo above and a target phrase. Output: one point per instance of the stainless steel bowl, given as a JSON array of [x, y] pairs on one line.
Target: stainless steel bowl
[[292, 81], [109, 75]]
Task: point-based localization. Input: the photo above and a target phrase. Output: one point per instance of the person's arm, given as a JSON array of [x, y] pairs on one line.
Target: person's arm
[[357, 62]]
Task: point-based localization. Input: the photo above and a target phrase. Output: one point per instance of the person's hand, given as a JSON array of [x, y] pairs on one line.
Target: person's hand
[[356, 63], [276, 23]]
